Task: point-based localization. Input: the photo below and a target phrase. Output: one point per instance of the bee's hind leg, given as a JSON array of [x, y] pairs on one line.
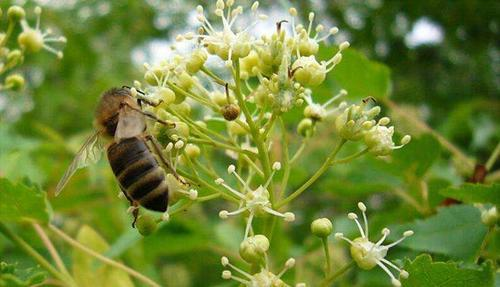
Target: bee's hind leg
[[135, 212], [134, 206]]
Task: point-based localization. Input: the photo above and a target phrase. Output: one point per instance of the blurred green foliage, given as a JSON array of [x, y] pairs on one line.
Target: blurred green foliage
[[453, 86]]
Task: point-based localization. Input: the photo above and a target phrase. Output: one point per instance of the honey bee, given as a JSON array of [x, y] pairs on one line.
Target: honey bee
[[120, 119]]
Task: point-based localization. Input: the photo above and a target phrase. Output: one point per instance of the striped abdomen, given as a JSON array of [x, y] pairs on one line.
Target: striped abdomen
[[139, 174]]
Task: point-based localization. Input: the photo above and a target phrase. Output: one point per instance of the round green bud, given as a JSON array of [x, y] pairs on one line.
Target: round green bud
[[192, 150], [30, 40], [182, 108], [146, 224], [235, 129], [185, 81], [15, 82], [150, 78], [196, 61], [321, 227], [230, 112], [14, 57], [16, 13], [305, 127], [166, 95], [181, 129], [254, 248]]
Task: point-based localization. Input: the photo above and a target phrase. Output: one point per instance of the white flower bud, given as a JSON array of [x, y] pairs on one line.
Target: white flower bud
[[344, 45], [408, 233], [290, 263], [293, 12], [224, 261], [289, 216], [276, 165], [352, 216], [226, 274], [193, 194], [231, 168], [223, 214], [406, 139]]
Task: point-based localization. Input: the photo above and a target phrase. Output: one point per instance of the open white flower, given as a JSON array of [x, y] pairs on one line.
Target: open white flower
[[368, 254], [263, 278], [318, 112], [254, 201], [34, 39]]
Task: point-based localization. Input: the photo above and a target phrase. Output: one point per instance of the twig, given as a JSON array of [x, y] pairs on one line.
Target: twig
[[50, 247]]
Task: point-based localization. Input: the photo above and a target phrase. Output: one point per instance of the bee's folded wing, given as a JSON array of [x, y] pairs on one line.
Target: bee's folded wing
[[130, 123], [89, 153]]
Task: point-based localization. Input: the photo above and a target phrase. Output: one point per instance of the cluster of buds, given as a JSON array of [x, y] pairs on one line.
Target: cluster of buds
[[356, 122], [368, 254], [253, 250], [29, 40]]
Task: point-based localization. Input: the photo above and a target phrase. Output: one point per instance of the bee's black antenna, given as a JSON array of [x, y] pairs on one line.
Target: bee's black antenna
[[139, 91]]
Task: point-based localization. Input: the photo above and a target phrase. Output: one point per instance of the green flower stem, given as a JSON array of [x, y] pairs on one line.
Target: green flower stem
[[328, 269], [324, 167], [197, 98], [35, 255], [216, 78], [223, 146], [208, 197], [102, 258], [285, 158], [52, 250], [10, 29], [337, 274], [299, 151], [493, 157], [203, 131], [199, 181], [263, 153], [351, 157]]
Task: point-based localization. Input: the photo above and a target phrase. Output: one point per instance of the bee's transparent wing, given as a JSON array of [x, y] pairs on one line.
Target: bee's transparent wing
[[131, 123], [89, 153]]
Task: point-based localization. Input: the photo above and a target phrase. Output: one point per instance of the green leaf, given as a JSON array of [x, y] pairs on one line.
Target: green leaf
[[475, 193], [424, 272], [455, 231], [84, 270], [417, 156], [19, 202], [357, 74], [11, 276]]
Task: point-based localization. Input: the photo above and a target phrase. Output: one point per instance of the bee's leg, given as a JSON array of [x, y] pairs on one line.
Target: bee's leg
[[157, 149], [135, 212], [134, 206], [151, 116]]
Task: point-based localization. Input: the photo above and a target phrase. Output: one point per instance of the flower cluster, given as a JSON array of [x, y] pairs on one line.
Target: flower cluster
[[29, 40], [356, 122], [226, 94]]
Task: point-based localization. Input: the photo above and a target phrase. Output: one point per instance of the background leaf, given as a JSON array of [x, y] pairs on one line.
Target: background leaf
[[19, 202], [424, 272], [84, 266], [455, 231], [475, 193]]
